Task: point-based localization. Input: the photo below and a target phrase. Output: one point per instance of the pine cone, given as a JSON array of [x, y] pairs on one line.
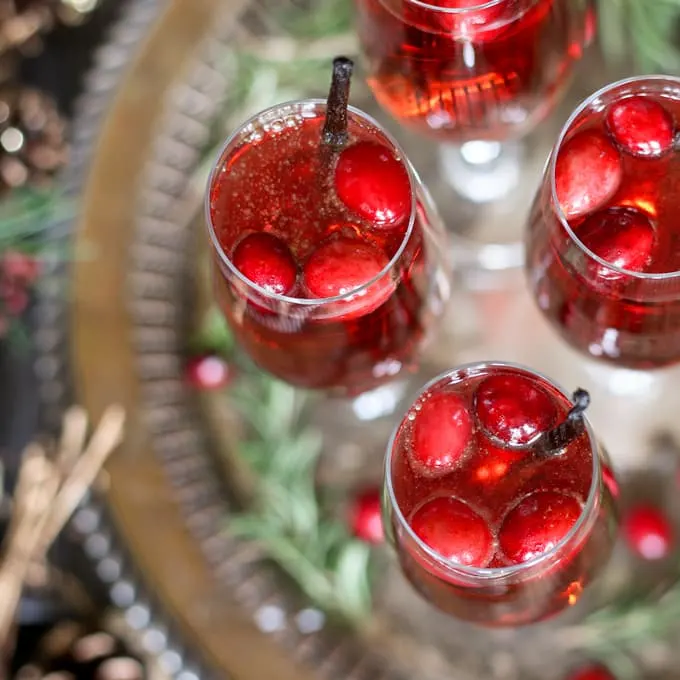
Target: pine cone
[[22, 22], [32, 138], [73, 651]]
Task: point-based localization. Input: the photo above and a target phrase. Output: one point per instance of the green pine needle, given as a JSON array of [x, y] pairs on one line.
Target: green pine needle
[[642, 33], [288, 519], [27, 213]]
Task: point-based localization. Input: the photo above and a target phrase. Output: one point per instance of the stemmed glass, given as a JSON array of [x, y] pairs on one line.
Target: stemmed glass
[[327, 254], [477, 77], [603, 263], [497, 497]]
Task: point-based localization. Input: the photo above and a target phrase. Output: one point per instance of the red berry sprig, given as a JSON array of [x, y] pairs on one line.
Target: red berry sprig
[[208, 372], [591, 672], [18, 273], [365, 516], [648, 532]]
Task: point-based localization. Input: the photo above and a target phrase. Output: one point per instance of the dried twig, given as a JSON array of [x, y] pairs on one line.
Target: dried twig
[[48, 491]]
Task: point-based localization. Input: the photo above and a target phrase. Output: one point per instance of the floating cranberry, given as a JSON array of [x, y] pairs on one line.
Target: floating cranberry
[[208, 372], [514, 409], [441, 435], [591, 672], [374, 184], [343, 265], [641, 126], [648, 532], [588, 173], [454, 531], [267, 261], [537, 525], [366, 516], [623, 237]]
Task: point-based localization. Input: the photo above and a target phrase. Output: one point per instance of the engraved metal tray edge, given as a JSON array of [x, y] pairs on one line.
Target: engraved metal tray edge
[[128, 590]]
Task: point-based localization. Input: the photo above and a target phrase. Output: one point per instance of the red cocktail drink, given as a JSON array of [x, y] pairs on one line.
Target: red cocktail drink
[[324, 259], [496, 495], [603, 245], [468, 70]]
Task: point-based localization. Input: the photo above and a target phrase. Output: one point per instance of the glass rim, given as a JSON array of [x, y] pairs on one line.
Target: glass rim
[[287, 299], [484, 5], [552, 163], [489, 573]]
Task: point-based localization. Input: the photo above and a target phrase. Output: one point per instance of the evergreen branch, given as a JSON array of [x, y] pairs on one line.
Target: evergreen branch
[[650, 28], [29, 212], [287, 520]]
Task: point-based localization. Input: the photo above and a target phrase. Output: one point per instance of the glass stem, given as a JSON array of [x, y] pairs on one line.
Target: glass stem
[[481, 171], [485, 173], [381, 402]]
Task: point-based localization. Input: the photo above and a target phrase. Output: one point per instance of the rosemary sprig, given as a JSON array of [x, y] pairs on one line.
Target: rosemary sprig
[[618, 633], [290, 518], [648, 33]]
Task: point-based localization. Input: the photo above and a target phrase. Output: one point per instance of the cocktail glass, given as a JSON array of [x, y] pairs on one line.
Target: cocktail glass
[[328, 261], [477, 77], [498, 499], [603, 254]]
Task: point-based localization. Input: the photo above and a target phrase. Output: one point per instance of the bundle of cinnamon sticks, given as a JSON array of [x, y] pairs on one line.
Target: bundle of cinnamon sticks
[[51, 483]]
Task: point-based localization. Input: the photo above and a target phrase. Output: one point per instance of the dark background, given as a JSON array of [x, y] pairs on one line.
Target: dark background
[[59, 70]]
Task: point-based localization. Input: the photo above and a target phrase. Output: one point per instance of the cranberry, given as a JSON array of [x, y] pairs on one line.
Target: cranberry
[[537, 524], [514, 409], [15, 296], [441, 435], [342, 265], [208, 372], [591, 672], [17, 265], [641, 126], [648, 532], [623, 237], [588, 173], [374, 184], [267, 261], [454, 531], [366, 516]]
